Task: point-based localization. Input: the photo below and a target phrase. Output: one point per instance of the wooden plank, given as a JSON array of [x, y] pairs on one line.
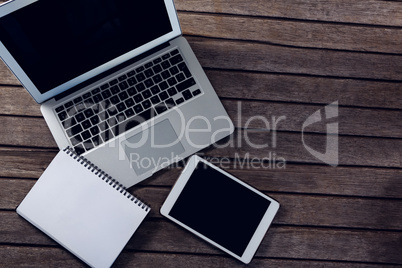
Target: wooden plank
[[312, 179], [280, 241], [235, 55], [373, 12], [294, 88], [52, 257], [289, 146], [276, 59], [260, 115], [295, 209], [284, 88], [293, 33]]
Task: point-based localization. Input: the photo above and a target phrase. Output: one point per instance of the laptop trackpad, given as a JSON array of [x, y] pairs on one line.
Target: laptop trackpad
[[153, 147]]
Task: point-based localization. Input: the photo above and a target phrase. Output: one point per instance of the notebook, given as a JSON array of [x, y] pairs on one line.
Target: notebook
[[83, 209], [116, 81]]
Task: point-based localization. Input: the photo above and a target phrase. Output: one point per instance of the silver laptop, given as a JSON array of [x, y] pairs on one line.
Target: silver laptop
[[115, 79]]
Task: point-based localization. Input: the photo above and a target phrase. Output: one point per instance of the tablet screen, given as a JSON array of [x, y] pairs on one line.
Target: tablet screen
[[220, 208]]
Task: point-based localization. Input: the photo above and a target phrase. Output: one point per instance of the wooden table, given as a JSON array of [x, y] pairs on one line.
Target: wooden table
[[279, 60]]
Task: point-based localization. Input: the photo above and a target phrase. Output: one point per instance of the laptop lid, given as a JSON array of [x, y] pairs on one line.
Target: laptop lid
[[52, 46]]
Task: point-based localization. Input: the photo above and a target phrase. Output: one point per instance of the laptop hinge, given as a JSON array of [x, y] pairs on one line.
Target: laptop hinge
[[110, 71]]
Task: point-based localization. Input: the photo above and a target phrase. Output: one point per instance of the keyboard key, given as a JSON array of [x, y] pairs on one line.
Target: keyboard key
[[105, 86], [157, 60], [131, 81], [80, 107], [172, 91], [62, 116], [68, 104], [77, 100], [180, 77], [140, 77], [114, 100], [89, 113], [131, 73], [96, 140], [148, 64], [172, 81], [146, 94], [196, 92], [165, 65], [103, 115], [130, 102], [113, 82], [72, 111], [166, 56], [107, 135], [120, 117], [176, 59], [123, 85], [139, 69], [115, 89], [183, 67], [179, 101], [80, 117], [157, 69], [86, 95], [86, 135], [121, 106], [163, 85], [129, 112], [185, 84], [88, 145], [59, 109], [79, 149], [97, 98], [138, 108], [103, 126], [112, 111], [74, 130], [166, 74], [69, 123], [140, 87], [155, 90], [160, 108], [187, 94], [155, 99], [106, 94], [131, 91], [174, 52], [170, 103], [148, 83], [174, 70], [157, 78], [95, 120], [95, 91], [122, 78], [146, 104], [94, 130], [163, 95], [123, 95], [138, 98], [86, 124]]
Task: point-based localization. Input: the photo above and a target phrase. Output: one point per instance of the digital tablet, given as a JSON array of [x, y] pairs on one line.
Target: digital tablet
[[220, 208]]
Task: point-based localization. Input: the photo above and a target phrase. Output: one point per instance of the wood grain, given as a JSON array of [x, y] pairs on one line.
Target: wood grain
[[235, 55], [293, 33], [280, 241], [374, 12]]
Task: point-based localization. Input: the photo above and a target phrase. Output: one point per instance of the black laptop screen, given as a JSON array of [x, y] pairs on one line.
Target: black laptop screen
[[56, 41]]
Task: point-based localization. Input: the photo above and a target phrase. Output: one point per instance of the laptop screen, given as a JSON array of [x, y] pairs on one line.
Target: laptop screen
[[57, 41]]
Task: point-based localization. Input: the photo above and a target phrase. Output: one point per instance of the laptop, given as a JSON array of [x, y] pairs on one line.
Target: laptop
[[115, 79]]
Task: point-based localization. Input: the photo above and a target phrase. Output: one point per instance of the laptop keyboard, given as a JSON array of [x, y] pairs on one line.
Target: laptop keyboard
[[123, 103]]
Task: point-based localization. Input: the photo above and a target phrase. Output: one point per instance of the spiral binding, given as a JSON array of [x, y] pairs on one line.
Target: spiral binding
[[105, 177]]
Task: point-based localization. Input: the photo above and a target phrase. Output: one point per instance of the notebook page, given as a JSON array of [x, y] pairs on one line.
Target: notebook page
[[81, 211]]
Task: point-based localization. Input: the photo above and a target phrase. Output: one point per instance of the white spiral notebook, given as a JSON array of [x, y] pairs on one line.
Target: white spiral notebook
[[83, 209]]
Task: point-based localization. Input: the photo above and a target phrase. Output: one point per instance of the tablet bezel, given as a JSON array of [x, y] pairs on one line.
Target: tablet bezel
[[261, 230]]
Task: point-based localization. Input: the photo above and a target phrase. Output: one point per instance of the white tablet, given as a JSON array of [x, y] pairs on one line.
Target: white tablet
[[220, 208]]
